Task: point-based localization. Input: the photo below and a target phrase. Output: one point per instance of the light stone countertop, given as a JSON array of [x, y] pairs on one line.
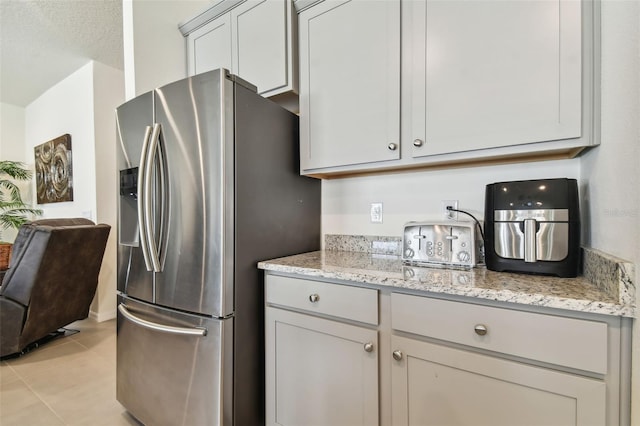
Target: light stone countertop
[[614, 295]]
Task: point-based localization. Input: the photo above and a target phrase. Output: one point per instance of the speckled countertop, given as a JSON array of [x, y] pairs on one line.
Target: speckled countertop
[[605, 288]]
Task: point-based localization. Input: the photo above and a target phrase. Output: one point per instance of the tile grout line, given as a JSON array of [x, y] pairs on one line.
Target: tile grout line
[[30, 388], [37, 395], [98, 346]]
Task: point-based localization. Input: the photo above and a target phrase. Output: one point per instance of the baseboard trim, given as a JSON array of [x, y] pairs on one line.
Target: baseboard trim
[[102, 316]]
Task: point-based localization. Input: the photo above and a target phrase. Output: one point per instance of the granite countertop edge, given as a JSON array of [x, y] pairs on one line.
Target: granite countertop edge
[[582, 295]]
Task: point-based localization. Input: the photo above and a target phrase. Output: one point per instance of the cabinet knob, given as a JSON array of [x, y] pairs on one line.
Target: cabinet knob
[[480, 329], [314, 298], [368, 347], [418, 143], [397, 355], [392, 146]]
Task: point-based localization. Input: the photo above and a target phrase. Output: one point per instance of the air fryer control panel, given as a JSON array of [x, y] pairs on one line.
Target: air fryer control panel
[[443, 243]]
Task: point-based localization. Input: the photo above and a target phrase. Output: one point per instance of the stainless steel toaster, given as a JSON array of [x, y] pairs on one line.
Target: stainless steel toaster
[[442, 243]]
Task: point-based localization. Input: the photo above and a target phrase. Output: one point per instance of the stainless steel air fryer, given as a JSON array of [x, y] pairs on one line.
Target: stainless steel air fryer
[[533, 226]]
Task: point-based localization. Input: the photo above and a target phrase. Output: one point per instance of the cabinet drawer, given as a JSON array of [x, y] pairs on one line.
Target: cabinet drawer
[[568, 342], [354, 303]]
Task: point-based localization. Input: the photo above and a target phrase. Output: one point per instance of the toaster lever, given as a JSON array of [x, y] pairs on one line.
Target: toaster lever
[[451, 237]]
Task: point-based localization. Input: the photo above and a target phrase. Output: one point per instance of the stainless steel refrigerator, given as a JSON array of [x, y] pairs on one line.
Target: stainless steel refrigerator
[[209, 186]]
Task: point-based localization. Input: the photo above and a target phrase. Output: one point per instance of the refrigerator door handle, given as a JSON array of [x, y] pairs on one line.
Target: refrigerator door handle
[[161, 327], [163, 235], [147, 202], [142, 218]]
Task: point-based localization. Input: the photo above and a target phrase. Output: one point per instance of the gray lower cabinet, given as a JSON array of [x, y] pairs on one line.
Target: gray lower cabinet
[[319, 371], [338, 354], [438, 385], [472, 364]]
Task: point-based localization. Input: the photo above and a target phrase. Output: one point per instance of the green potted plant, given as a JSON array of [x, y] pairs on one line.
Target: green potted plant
[[13, 210]]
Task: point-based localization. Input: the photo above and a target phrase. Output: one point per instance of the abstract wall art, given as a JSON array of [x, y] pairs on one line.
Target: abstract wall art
[[53, 170]]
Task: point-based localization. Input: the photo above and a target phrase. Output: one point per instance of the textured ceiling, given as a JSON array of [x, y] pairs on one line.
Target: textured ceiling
[[44, 41]]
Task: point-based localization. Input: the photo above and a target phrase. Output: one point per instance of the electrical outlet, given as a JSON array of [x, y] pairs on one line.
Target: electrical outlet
[[448, 214], [376, 212]]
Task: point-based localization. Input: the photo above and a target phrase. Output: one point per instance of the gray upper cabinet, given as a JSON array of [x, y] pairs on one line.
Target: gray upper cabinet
[[209, 47], [349, 83], [499, 80], [495, 73], [255, 39]]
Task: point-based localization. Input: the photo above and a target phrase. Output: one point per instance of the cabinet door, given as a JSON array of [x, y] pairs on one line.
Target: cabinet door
[[262, 44], [438, 385], [319, 372], [349, 83], [209, 47], [494, 73]]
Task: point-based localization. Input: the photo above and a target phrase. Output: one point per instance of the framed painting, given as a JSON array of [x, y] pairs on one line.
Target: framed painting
[[54, 174]]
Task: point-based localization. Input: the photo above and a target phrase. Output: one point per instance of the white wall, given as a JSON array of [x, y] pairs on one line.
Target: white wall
[[155, 50], [67, 108], [610, 172], [83, 105], [108, 93], [12, 148], [11, 132], [417, 195]]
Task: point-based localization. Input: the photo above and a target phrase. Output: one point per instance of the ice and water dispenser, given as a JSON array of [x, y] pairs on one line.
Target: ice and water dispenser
[[128, 220], [533, 226]]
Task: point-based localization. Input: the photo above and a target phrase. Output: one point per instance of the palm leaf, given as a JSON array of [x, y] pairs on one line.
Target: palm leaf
[[13, 211], [9, 188], [15, 218], [14, 169]]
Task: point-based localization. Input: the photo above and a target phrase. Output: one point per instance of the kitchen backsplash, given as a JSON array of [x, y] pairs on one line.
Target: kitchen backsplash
[[364, 244], [609, 273]]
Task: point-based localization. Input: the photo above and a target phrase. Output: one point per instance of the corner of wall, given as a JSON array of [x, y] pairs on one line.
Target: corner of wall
[[108, 94]]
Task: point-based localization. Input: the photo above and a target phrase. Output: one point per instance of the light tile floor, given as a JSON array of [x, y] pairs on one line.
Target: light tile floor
[[69, 381]]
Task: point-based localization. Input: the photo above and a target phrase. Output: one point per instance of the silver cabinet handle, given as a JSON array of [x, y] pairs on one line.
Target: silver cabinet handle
[[392, 146], [397, 355], [161, 327], [314, 298], [418, 143], [368, 347], [480, 329]]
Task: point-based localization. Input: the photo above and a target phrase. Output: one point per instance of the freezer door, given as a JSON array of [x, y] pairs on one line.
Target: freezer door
[[132, 119], [196, 121], [170, 371]]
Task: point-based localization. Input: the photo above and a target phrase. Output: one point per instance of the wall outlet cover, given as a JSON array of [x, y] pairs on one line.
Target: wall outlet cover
[[376, 212], [447, 214]]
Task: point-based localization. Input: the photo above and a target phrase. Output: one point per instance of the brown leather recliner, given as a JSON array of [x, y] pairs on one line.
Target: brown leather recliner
[[51, 280]]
